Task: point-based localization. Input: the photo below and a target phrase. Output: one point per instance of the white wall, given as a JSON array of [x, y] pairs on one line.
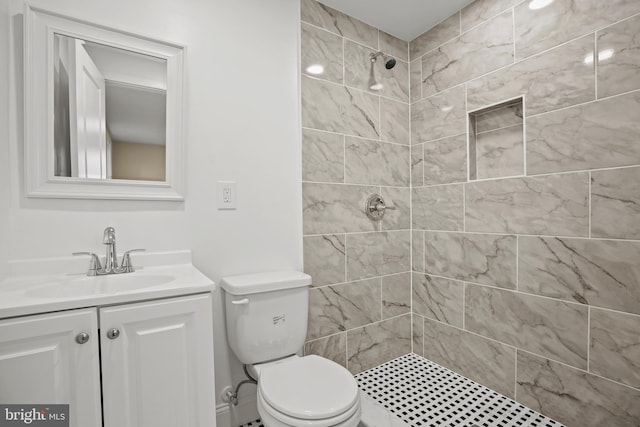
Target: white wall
[[242, 124], [5, 187]]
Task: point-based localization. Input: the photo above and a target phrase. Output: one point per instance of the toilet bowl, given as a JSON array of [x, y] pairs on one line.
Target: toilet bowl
[[307, 391]]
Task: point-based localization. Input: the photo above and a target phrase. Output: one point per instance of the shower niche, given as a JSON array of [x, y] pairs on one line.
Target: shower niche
[[496, 141]]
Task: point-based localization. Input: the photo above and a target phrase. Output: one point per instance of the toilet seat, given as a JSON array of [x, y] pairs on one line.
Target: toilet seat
[[309, 391], [273, 418]]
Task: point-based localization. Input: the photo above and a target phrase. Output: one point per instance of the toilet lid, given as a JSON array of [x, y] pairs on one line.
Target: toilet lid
[[309, 387]]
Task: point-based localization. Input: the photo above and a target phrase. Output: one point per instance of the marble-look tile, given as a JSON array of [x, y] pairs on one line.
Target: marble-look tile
[[436, 36], [396, 295], [473, 166], [336, 308], [479, 51], [439, 116], [322, 156], [400, 217], [415, 80], [335, 208], [333, 348], [376, 163], [438, 299], [378, 343], [394, 121], [607, 130], [488, 362], [615, 203], [417, 331], [438, 208], [357, 72], [324, 259], [445, 160], [319, 47], [394, 46], [481, 10], [603, 273], [417, 250], [378, 254], [500, 153], [327, 106], [555, 79], [620, 72], [553, 205], [487, 259], [417, 165], [615, 346], [544, 326], [572, 396], [337, 22], [498, 118], [562, 20]]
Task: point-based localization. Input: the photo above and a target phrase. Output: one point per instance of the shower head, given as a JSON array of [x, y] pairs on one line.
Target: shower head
[[389, 61]]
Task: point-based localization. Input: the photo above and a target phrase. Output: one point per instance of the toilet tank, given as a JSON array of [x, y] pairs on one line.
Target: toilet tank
[[266, 314]]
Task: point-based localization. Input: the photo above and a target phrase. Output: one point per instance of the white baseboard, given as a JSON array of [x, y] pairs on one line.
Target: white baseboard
[[234, 416]]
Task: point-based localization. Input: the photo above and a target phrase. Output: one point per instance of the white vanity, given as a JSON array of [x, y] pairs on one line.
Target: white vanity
[[130, 350]]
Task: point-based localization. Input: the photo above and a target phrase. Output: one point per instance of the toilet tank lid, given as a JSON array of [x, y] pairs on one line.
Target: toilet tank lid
[[264, 282]]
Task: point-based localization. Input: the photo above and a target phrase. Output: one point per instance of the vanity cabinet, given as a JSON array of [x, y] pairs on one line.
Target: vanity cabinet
[[155, 359]]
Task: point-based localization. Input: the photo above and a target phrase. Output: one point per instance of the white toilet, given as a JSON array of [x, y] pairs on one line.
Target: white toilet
[[266, 326]]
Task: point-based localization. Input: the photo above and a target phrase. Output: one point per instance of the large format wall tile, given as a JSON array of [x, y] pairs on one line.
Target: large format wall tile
[[340, 307], [445, 160], [378, 254], [551, 328], [396, 295], [574, 397], [498, 118], [480, 359], [335, 208], [327, 106], [481, 258], [438, 208], [608, 132], [615, 346], [555, 204], [500, 153], [417, 330], [337, 22], [563, 20], [417, 250], [415, 80], [357, 72], [439, 116], [417, 165], [437, 298], [394, 121], [604, 273], [320, 47], [558, 78], [400, 217], [324, 259], [333, 348], [481, 10], [373, 162], [436, 36], [621, 72], [374, 344], [322, 156], [394, 46], [477, 52], [615, 203]]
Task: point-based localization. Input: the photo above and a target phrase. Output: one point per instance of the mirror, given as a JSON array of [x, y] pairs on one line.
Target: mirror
[[103, 116]]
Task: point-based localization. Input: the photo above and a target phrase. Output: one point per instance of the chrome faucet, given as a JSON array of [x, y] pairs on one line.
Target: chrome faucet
[[111, 261]]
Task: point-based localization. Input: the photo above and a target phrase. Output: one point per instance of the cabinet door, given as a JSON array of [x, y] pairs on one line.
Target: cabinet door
[[41, 363], [158, 371]]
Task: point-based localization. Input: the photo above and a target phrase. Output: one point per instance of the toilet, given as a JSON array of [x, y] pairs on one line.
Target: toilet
[[266, 317]]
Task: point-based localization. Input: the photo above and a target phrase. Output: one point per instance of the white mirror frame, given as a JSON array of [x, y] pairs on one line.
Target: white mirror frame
[[40, 27]]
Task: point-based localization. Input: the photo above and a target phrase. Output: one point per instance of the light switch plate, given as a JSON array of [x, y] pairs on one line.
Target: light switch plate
[[227, 195]]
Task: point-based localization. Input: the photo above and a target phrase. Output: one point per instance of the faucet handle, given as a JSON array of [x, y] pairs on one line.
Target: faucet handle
[[94, 263], [126, 266]]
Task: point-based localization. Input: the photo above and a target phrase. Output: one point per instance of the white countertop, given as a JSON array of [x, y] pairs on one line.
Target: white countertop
[[23, 294]]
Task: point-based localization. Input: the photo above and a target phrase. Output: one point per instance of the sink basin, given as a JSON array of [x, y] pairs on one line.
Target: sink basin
[[97, 285]]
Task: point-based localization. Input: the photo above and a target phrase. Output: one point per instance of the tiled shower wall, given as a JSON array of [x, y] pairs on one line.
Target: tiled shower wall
[[528, 279], [355, 143]]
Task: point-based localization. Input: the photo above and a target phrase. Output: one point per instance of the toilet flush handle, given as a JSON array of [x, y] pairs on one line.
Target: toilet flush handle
[[241, 301]]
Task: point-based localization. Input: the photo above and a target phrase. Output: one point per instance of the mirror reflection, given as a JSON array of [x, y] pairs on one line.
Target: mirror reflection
[[109, 112]]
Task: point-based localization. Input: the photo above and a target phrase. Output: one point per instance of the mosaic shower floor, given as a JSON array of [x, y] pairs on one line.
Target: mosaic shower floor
[[414, 391]]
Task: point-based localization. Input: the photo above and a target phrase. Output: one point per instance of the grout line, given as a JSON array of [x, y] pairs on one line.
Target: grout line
[[356, 136], [588, 338], [517, 263], [365, 279], [497, 129], [523, 103], [590, 202], [515, 377], [581, 104]]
